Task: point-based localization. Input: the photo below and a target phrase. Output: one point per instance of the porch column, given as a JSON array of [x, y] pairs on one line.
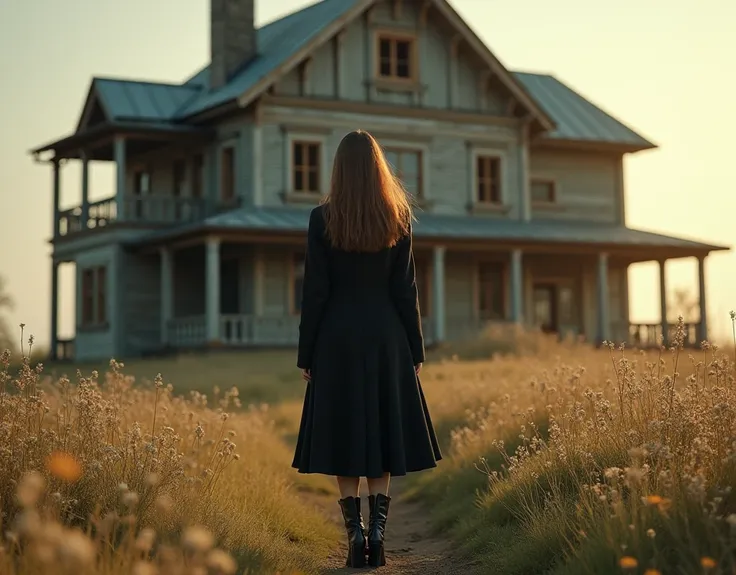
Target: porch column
[[54, 339], [120, 176], [212, 290], [57, 197], [525, 207], [167, 293], [663, 302], [438, 281], [603, 315], [703, 335], [85, 191], [516, 278]]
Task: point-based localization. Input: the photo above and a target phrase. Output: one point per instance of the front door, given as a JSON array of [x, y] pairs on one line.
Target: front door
[[230, 286], [546, 309]]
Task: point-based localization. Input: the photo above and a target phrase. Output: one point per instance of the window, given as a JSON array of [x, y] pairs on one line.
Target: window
[[94, 296], [424, 280], [396, 59], [297, 280], [306, 177], [142, 183], [488, 179], [179, 178], [543, 191], [491, 291], [407, 165], [197, 175], [227, 174]]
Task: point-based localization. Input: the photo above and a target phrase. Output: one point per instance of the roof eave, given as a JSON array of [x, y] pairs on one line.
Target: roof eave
[[593, 145]]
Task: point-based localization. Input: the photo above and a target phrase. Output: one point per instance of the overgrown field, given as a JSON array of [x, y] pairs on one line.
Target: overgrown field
[[572, 460], [559, 459], [101, 476]]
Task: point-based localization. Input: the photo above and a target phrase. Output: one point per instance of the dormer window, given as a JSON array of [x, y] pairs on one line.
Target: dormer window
[[397, 57]]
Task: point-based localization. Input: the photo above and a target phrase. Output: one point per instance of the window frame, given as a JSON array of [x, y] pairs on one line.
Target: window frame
[[504, 273], [306, 138], [554, 201], [396, 36], [198, 176], [490, 153], [424, 162], [399, 150], [94, 289]]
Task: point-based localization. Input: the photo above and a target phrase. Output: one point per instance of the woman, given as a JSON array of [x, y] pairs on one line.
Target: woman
[[360, 343]]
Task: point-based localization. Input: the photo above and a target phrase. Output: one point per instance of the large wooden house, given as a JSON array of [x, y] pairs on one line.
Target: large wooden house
[[519, 179]]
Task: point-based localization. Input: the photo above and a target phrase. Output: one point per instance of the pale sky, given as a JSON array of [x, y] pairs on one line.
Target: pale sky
[[664, 67]]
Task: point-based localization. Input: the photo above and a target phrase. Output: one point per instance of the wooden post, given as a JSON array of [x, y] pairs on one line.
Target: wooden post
[[167, 293], [438, 280], [120, 176], [703, 335], [517, 286], [603, 315], [57, 197], [212, 291], [54, 339], [663, 302], [85, 191]]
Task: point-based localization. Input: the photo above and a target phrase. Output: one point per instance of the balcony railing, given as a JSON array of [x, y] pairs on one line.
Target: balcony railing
[[149, 210]]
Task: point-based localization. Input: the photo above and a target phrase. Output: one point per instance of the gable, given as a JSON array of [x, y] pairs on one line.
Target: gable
[[93, 111]]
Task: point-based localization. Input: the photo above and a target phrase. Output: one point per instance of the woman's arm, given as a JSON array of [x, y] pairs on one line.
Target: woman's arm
[[406, 296], [315, 291]]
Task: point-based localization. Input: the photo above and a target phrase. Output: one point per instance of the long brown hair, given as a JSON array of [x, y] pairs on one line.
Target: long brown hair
[[367, 208]]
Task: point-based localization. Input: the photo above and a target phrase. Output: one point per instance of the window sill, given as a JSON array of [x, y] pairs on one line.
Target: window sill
[[423, 203], [302, 198], [398, 85], [547, 207], [488, 208], [93, 327]]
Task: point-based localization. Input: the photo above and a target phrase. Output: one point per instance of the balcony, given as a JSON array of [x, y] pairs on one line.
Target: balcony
[[649, 335], [143, 210]]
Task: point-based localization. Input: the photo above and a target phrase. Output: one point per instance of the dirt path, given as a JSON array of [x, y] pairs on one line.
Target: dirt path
[[410, 548]]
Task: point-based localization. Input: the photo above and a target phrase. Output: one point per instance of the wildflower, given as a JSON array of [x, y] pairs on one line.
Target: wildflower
[[652, 572], [76, 550], [653, 500], [707, 563], [221, 562], [30, 488], [651, 533], [628, 562], [145, 540], [197, 539], [64, 466]]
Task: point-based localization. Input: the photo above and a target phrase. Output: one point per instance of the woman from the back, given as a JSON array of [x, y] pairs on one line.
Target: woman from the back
[[360, 344]]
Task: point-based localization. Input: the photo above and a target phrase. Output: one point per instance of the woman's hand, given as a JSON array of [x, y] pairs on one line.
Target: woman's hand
[[418, 368], [307, 374]]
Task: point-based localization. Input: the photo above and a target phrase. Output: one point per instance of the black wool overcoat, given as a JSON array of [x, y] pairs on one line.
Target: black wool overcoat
[[360, 335]]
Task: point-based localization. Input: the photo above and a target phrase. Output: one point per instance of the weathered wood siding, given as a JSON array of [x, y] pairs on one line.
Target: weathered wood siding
[[444, 81], [588, 185], [448, 149], [99, 343]]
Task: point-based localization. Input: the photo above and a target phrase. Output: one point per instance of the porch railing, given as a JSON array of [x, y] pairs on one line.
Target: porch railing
[[241, 330], [64, 350], [649, 335], [152, 209]]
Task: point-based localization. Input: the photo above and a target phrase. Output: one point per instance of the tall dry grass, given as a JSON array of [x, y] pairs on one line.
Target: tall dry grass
[[574, 460], [103, 477]]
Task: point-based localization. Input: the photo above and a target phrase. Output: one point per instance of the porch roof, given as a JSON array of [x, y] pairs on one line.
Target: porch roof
[[289, 220]]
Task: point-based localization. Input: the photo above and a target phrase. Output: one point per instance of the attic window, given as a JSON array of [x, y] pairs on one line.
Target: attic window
[[396, 57]]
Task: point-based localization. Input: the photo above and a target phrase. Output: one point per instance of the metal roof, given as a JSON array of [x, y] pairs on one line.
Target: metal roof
[[291, 219], [131, 100], [576, 117]]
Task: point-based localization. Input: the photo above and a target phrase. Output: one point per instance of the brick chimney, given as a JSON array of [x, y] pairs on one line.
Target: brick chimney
[[232, 38]]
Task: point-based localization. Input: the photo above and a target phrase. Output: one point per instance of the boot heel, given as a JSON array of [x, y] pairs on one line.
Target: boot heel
[[376, 556], [356, 555]]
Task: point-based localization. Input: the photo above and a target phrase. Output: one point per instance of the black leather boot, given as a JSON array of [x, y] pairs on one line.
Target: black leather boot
[[376, 529], [350, 507]]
